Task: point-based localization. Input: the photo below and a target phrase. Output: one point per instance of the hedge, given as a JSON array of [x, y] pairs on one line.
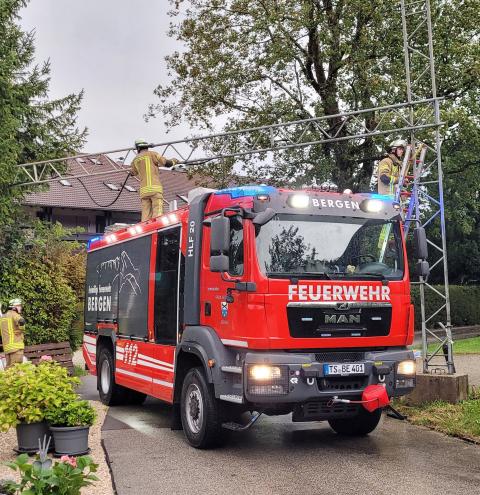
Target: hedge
[[464, 304]]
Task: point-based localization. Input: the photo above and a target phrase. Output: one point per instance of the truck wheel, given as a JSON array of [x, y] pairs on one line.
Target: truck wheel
[[200, 411], [110, 393], [362, 424]]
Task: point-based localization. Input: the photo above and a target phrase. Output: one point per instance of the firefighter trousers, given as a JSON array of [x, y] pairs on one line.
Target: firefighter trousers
[[152, 206], [14, 358]]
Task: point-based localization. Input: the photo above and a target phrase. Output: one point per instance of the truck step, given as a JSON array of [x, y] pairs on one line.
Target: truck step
[[232, 369], [237, 399], [230, 425]]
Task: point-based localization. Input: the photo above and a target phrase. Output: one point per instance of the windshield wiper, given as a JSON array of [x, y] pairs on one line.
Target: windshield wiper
[[299, 275], [377, 275]]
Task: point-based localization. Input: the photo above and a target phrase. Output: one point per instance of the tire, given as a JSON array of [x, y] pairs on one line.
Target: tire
[[362, 424], [200, 411], [111, 394]]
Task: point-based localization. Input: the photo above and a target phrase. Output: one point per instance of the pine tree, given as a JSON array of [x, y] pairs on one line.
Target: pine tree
[[32, 127]]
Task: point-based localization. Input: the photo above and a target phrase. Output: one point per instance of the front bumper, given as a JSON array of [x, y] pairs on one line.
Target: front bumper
[[304, 380]]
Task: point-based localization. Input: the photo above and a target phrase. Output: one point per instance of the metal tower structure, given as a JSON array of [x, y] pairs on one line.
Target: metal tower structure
[[427, 202], [419, 117]]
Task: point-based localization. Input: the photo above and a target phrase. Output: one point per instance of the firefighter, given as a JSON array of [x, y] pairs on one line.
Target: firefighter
[[12, 327], [145, 166], [389, 168]]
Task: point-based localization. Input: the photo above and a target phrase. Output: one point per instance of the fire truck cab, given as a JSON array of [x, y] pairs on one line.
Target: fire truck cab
[[254, 299]]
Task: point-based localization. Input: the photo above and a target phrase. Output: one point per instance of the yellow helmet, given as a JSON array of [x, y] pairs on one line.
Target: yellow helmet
[[141, 144], [16, 301]]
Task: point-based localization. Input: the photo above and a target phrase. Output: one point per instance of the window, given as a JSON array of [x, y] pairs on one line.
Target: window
[[130, 188], [324, 247], [167, 290], [111, 186], [236, 246], [65, 183]]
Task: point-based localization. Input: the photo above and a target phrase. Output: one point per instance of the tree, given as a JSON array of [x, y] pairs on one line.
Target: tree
[[32, 127], [255, 62]]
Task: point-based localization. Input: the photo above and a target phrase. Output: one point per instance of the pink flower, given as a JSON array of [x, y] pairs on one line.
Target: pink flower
[[69, 460], [46, 357]]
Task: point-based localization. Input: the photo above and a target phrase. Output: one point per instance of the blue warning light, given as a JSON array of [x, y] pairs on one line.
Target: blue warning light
[[243, 191]]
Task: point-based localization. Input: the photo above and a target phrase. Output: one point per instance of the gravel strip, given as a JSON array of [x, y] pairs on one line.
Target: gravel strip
[[102, 487]]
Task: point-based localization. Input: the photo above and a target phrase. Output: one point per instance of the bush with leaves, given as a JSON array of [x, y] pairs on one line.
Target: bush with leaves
[[65, 477], [48, 273], [76, 413], [29, 393]]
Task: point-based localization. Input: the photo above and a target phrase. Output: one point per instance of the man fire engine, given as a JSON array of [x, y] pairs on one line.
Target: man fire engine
[[255, 299]]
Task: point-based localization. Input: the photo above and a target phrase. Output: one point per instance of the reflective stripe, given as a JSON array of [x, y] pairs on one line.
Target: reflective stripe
[[17, 346], [155, 189], [148, 170]]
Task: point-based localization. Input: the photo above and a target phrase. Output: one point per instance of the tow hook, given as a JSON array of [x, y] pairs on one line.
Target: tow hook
[[393, 413]]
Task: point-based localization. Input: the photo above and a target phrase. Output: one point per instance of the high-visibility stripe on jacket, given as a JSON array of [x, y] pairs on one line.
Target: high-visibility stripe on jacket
[[145, 166], [12, 326]]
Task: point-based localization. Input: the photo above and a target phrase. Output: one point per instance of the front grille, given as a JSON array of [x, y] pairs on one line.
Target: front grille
[[334, 320], [318, 410], [339, 357], [342, 383]]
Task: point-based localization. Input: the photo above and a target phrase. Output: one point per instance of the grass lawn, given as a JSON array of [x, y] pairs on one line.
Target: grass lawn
[[462, 346], [458, 420]]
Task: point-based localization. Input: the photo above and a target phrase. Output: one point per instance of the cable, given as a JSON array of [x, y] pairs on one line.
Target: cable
[[112, 202]]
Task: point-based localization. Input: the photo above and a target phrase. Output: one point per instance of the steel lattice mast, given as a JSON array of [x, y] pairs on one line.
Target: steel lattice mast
[[427, 195]]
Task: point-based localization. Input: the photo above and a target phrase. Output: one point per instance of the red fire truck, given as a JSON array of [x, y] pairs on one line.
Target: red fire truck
[[254, 299]]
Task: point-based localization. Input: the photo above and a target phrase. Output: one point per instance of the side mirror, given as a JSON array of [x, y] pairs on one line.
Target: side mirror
[[219, 263], [420, 244], [220, 236], [264, 217], [422, 269]]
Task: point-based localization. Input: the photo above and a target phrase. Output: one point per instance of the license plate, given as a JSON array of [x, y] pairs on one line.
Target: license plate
[[344, 369]]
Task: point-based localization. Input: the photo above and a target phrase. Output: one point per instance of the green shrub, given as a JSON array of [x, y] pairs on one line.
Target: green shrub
[[49, 274], [76, 413], [464, 303], [29, 393]]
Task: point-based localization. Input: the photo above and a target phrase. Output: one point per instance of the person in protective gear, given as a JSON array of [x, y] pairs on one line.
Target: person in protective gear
[[389, 168], [145, 166], [12, 326]]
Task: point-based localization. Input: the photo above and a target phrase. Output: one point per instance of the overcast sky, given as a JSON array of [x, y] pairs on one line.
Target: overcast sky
[[114, 50]]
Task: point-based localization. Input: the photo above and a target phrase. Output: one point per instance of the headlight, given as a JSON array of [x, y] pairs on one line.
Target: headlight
[[372, 205], [261, 372], [299, 201], [267, 380], [406, 368]]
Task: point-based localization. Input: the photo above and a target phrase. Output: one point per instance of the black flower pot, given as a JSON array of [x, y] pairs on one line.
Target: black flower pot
[[70, 440], [28, 436]]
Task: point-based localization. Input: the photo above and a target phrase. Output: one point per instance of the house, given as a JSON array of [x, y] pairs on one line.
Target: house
[[89, 203]]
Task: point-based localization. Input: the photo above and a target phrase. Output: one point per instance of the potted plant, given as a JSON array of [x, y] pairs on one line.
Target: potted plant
[[70, 425], [67, 476], [27, 392]]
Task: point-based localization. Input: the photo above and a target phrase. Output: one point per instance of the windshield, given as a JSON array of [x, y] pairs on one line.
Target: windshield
[[323, 247]]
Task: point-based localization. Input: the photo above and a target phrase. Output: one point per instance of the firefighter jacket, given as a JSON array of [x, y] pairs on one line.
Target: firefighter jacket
[[145, 166], [390, 167], [12, 326]]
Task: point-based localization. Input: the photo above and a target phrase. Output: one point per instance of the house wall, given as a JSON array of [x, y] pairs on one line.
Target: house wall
[[92, 222]]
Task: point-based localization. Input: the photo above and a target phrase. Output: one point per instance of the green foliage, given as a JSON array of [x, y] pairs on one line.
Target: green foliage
[[65, 477], [29, 393], [49, 274], [76, 413], [262, 61], [463, 300], [32, 126]]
